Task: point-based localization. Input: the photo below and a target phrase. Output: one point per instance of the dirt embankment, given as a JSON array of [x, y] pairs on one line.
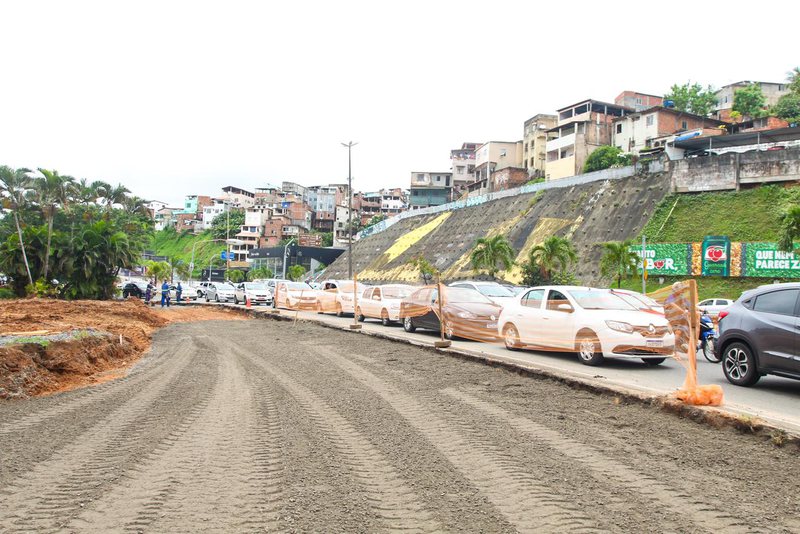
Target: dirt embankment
[[32, 365]]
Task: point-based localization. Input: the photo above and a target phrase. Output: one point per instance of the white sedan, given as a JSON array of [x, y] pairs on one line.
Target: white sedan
[[592, 322], [220, 292], [382, 302], [714, 306], [257, 292]]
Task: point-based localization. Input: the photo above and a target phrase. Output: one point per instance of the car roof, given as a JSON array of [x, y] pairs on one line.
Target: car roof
[[477, 282]]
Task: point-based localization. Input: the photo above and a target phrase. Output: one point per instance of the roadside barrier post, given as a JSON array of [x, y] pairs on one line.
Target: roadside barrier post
[[355, 325], [442, 343]]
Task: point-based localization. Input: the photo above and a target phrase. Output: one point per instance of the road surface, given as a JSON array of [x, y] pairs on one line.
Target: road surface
[[241, 426]]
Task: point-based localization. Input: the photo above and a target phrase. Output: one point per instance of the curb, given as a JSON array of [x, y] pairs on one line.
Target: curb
[[708, 415]]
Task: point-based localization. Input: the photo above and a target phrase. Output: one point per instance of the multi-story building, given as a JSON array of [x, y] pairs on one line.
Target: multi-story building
[[296, 189], [217, 207], [237, 197], [340, 227], [462, 165], [642, 130], [534, 143], [638, 101], [430, 189], [154, 206], [491, 157], [389, 201], [772, 93], [582, 128], [509, 178]]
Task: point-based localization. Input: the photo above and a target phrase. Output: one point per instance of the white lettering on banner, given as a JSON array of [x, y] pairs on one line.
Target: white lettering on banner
[[777, 264]]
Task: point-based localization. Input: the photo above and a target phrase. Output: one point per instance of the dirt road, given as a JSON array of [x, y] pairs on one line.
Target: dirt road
[[261, 425]]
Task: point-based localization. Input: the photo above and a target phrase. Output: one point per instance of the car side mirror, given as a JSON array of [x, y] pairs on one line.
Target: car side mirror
[[565, 308]]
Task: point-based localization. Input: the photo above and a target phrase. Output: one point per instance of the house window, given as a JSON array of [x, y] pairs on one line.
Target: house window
[[638, 100], [619, 128], [420, 177], [649, 120], [503, 153], [684, 125]]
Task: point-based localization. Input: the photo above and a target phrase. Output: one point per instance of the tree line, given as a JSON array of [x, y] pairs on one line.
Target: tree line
[[65, 237]]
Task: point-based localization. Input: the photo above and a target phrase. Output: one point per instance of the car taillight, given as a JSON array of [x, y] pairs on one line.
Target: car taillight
[[722, 315]]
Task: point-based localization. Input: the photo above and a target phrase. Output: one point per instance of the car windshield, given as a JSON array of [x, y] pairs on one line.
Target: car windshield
[[396, 292], [225, 287], [256, 287], [465, 296], [494, 291], [298, 286], [600, 300]]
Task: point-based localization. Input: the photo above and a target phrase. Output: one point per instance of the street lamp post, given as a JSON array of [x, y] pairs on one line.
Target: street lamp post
[[349, 146], [285, 250]]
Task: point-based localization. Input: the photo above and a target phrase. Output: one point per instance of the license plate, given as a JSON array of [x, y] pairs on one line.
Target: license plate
[[491, 325], [654, 342]]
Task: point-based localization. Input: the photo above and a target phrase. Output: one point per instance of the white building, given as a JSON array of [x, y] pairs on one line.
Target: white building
[[211, 212]]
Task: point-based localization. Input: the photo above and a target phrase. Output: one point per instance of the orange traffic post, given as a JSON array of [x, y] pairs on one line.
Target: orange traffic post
[[355, 325], [442, 343]]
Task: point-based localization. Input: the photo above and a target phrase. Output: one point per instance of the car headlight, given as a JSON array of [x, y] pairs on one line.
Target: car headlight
[[394, 305], [620, 326], [466, 315]]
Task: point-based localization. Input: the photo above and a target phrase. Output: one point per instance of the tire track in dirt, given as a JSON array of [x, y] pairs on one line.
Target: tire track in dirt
[[605, 469], [388, 493], [221, 472], [525, 502], [100, 456]]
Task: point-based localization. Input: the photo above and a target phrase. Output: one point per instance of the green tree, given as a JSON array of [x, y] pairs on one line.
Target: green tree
[[489, 251], [158, 270], [236, 276], [376, 219], [178, 267], [618, 260], [260, 273], [605, 157], [52, 190], [692, 98], [116, 195], [224, 226], [556, 254], [13, 185], [750, 101], [788, 108], [793, 77], [426, 269], [790, 229], [327, 239], [296, 272]]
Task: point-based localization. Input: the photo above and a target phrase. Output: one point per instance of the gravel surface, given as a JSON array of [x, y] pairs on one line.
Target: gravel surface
[[241, 426]]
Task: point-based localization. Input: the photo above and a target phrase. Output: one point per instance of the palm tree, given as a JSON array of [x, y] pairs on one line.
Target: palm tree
[[116, 195], [13, 184], [85, 192], [618, 261], [158, 270], [52, 190], [135, 205], [489, 251], [790, 229], [178, 267], [556, 253]]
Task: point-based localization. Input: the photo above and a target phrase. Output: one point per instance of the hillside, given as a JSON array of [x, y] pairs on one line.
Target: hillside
[[179, 245]]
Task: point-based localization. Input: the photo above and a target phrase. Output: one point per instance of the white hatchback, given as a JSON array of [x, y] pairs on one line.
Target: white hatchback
[[383, 302], [595, 323], [714, 306]]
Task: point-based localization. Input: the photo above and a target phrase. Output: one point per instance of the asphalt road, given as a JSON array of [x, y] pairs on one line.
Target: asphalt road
[[773, 399], [242, 426]]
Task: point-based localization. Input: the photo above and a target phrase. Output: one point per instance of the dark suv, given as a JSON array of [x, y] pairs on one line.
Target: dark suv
[[759, 334]]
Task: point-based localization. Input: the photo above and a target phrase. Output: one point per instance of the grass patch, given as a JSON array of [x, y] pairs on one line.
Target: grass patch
[[179, 245], [751, 215], [6, 293]]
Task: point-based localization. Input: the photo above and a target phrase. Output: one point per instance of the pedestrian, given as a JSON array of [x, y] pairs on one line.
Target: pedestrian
[[165, 294], [178, 292], [148, 294]]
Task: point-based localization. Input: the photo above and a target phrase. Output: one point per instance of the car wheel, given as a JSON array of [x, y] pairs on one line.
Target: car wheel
[[125, 294], [588, 349], [739, 365], [653, 361], [385, 318], [360, 316], [511, 337], [235, 300], [339, 312], [207, 299], [449, 333], [216, 298], [408, 325]]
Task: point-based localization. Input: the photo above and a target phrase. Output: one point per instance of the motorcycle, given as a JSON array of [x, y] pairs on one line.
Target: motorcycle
[[708, 338]]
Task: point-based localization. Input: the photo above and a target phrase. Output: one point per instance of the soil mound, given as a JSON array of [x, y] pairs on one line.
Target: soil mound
[[43, 367]]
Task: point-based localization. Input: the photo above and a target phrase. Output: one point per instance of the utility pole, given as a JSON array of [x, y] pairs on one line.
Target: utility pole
[[349, 146]]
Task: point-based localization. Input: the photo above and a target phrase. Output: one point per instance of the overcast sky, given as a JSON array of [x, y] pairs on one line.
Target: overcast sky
[[174, 98]]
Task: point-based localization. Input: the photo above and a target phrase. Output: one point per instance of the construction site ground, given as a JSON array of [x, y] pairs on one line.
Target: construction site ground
[[240, 426]]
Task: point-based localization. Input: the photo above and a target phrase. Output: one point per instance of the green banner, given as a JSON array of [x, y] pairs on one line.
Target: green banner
[[716, 251], [668, 259], [765, 260]]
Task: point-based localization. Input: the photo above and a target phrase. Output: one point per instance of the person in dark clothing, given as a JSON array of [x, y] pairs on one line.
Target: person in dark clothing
[[178, 292], [165, 294], [148, 294]]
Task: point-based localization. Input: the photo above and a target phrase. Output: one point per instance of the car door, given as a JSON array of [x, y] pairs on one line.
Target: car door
[[557, 324], [366, 301], [774, 326], [528, 317], [430, 319]]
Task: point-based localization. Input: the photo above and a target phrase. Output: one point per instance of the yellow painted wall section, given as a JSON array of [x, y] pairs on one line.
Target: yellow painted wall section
[[546, 227], [373, 271]]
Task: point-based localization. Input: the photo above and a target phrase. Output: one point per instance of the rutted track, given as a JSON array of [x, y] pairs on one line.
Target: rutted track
[[261, 425]]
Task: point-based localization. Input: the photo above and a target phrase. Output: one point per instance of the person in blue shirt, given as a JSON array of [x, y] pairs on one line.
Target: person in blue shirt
[[178, 292], [165, 294]]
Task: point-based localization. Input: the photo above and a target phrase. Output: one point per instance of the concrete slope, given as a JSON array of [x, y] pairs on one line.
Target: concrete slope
[[588, 214]]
